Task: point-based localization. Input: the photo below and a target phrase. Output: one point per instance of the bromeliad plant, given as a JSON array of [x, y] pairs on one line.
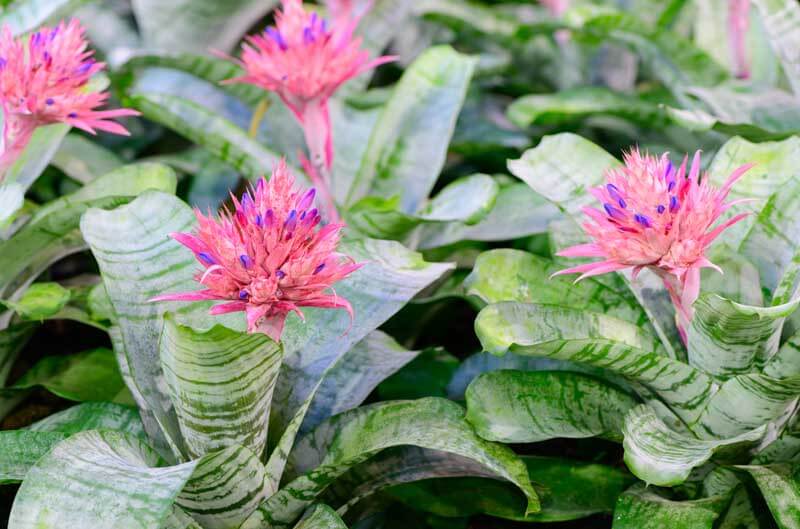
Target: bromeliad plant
[[708, 419]]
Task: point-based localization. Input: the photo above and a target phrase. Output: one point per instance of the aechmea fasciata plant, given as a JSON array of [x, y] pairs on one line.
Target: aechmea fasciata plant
[[43, 80], [656, 216], [269, 257], [305, 60], [738, 24]]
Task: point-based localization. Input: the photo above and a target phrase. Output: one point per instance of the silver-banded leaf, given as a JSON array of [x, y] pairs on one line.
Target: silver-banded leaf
[[321, 517], [84, 160], [786, 362], [782, 23], [598, 340], [221, 384], [139, 261], [745, 402], [781, 488], [643, 508], [25, 16], [12, 198], [402, 158], [392, 276], [658, 455], [52, 230], [359, 371], [727, 338], [225, 488], [21, 449], [514, 275], [532, 406], [196, 26], [518, 212], [355, 436], [216, 134], [37, 155]]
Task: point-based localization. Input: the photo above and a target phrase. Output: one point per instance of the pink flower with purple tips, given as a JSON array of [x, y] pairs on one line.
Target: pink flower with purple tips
[[655, 216], [43, 80], [269, 257]]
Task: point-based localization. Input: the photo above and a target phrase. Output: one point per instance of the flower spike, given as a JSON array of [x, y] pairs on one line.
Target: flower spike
[[656, 216], [43, 80], [268, 257]]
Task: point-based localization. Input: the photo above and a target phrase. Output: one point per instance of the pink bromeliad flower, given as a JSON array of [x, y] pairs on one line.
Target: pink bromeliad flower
[[267, 258], [738, 24], [655, 216], [304, 60], [43, 80], [556, 7]]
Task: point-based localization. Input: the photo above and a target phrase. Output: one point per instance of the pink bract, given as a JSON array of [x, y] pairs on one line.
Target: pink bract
[[656, 216], [43, 80], [738, 24], [305, 60], [269, 257]]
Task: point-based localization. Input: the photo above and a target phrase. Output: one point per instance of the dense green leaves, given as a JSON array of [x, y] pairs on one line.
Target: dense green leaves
[[645, 508]]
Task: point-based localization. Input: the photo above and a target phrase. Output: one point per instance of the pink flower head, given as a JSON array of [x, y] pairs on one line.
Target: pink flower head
[[344, 11], [43, 80], [738, 24], [556, 7], [657, 217], [305, 61], [267, 258]]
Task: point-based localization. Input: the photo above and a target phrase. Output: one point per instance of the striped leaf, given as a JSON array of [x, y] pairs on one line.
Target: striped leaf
[[402, 158], [221, 384], [532, 406], [21, 449], [514, 275], [780, 486], [643, 508], [51, 232], [84, 160], [12, 198], [196, 25], [392, 276], [598, 340], [569, 490], [727, 338], [354, 436], [518, 212], [138, 261], [746, 402], [782, 22], [204, 127], [786, 362], [658, 455], [37, 155], [109, 480], [27, 15], [321, 517]]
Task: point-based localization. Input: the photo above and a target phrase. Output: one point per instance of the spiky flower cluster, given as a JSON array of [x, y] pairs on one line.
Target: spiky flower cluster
[[657, 217], [304, 60], [268, 258], [43, 80]]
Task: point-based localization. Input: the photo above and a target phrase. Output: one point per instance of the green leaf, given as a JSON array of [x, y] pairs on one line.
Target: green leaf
[[660, 456], [355, 436], [391, 277], [197, 26], [84, 160], [21, 449], [780, 487], [108, 480], [37, 155], [514, 275], [12, 198], [532, 406], [427, 375], [221, 384], [781, 20], [569, 490], [41, 301], [643, 508], [727, 338], [51, 233], [28, 15], [321, 517], [216, 134], [87, 376], [12, 340], [518, 212], [138, 261], [402, 158], [597, 340]]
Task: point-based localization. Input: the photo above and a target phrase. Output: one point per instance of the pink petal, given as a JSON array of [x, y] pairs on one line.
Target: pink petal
[[198, 295]]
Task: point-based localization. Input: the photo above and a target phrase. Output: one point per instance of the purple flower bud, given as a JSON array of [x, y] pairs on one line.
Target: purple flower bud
[[642, 219]]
